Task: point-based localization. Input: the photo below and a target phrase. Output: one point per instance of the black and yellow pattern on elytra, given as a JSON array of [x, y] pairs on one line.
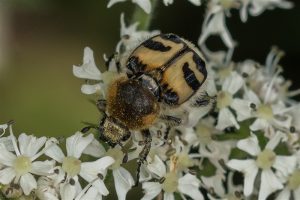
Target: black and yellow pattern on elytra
[[173, 62]]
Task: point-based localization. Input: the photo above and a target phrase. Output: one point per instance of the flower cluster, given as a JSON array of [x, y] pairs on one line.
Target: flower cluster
[[243, 145]]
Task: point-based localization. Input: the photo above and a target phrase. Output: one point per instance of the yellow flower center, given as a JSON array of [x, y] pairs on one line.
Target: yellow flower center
[[294, 180], [170, 183], [22, 165], [224, 99], [71, 165], [183, 161], [265, 112], [117, 155], [204, 133], [265, 159]]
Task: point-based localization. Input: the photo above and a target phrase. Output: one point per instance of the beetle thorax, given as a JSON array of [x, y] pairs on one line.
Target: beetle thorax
[[131, 103]]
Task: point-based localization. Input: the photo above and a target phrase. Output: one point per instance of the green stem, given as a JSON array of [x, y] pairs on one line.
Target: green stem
[[143, 18]]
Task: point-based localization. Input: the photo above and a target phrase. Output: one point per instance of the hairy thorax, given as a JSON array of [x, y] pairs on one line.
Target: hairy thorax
[[132, 104]]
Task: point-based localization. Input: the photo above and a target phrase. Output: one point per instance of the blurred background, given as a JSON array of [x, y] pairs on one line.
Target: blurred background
[[41, 40]]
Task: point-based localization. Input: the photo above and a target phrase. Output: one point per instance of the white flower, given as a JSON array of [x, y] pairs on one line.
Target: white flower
[[265, 161], [122, 178], [89, 70], [130, 36], [214, 23], [267, 115], [48, 186], [170, 182], [73, 167], [225, 100], [19, 167], [144, 4]]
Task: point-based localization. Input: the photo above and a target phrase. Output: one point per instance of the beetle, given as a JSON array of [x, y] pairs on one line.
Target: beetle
[[162, 73]]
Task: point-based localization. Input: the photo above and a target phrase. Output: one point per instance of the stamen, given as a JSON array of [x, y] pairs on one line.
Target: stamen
[[14, 142], [268, 93], [87, 187], [53, 142]]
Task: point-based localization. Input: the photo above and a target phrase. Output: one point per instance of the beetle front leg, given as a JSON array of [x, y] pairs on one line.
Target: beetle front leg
[[144, 153]]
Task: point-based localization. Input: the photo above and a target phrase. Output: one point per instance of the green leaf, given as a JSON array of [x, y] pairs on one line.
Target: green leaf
[[208, 169]]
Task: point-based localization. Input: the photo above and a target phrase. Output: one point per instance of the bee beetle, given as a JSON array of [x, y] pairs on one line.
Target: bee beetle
[[164, 71]]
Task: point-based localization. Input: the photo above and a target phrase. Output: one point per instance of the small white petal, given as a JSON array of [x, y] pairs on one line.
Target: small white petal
[[226, 119], [285, 164], [7, 142], [42, 167], [6, 157], [285, 123], [98, 166], [250, 145], [30, 145], [284, 194], [233, 83], [95, 149], [152, 189], [77, 143], [68, 191], [242, 108], [101, 188], [157, 167], [274, 141], [144, 4], [92, 193], [195, 2], [251, 96], [7, 175], [269, 184], [112, 2], [249, 169], [55, 152], [259, 124], [215, 182], [91, 89], [88, 70], [123, 182], [189, 185], [169, 196], [27, 183]]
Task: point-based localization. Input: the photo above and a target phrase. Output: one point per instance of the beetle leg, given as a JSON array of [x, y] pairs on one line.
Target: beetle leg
[[204, 100], [101, 105], [87, 128], [125, 158], [144, 153], [171, 120]]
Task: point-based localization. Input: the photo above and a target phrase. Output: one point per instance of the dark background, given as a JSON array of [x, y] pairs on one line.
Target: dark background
[[41, 40]]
